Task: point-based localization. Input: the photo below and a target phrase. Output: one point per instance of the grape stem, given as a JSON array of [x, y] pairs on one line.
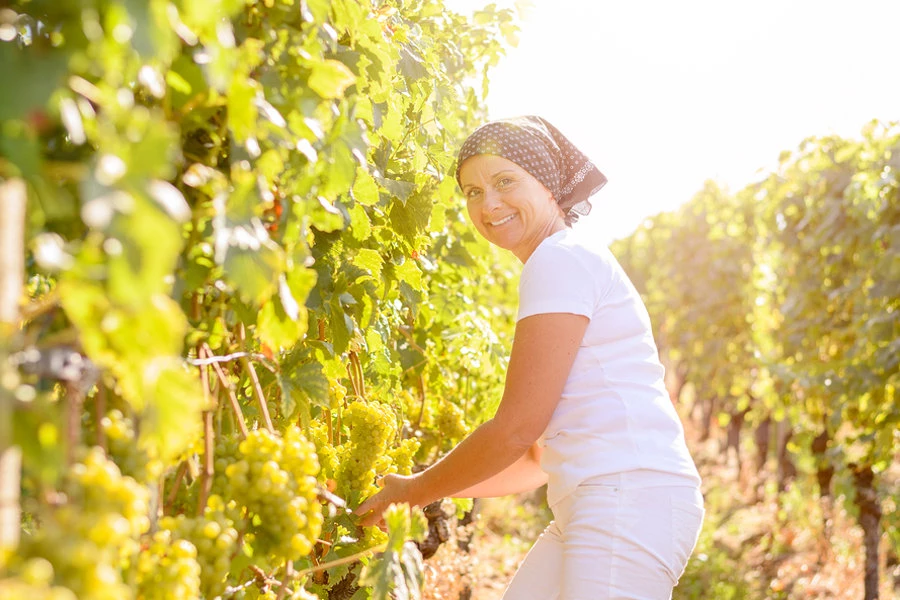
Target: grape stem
[[42, 305], [179, 475], [288, 576], [254, 379], [206, 474], [422, 406], [100, 412], [208, 437], [231, 591], [360, 385], [235, 405], [409, 338], [341, 561]]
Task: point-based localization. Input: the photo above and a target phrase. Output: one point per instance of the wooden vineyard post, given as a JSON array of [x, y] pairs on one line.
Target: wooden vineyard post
[[12, 269]]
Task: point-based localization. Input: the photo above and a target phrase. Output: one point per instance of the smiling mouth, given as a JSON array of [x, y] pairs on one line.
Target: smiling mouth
[[502, 221]]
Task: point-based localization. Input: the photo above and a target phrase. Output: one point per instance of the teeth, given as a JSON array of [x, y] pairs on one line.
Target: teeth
[[502, 221]]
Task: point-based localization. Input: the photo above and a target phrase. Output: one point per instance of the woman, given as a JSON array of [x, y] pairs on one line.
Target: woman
[[584, 408]]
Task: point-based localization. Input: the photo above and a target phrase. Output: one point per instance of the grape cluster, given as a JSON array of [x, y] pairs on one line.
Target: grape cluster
[[226, 453], [91, 538], [214, 537], [372, 427], [123, 448], [274, 480], [167, 569], [450, 422], [403, 456], [327, 453], [34, 582]]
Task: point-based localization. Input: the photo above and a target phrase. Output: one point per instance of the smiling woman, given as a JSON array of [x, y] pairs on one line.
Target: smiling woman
[[508, 206], [584, 407]]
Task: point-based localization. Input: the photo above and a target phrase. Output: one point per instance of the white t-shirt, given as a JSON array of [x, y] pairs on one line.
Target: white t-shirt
[[615, 414]]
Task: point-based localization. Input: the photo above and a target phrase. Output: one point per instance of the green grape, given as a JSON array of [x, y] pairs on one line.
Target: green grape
[[167, 569], [274, 481], [226, 453], [403, 456], [371, 537], [328, 459], [91, 539], [372, 426], [125, 451], [450, 422], [20, 588], [214, 537]]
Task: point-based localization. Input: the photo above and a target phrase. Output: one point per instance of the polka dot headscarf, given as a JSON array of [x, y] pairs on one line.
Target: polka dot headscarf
[[539, 148]]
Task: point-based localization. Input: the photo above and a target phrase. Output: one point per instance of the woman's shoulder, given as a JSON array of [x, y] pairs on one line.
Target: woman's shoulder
[[571, 255], [571, 244]]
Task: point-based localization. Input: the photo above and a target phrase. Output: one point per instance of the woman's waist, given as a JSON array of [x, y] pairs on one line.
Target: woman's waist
[[645, 478]]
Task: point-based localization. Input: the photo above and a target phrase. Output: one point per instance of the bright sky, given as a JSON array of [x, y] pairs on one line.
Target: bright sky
[[664, 94]]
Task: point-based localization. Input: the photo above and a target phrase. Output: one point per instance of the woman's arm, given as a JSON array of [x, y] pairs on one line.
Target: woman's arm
[[523, 475], [543, 351]]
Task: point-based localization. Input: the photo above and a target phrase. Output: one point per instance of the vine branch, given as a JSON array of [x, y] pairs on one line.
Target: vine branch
[[232, 397], [254, 379]]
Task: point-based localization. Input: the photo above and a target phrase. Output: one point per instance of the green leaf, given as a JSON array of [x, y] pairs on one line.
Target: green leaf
[[411, 218], [398, 189], [35, 76], [173, 404], [276, 328], [365, 189], [330, 78], [242, 111], [399, 572], [338, 172], [360, 225], [341, 325], [21, 149], [411, 64], [254, 271], [303, 386], [409, 273], [370, 260]]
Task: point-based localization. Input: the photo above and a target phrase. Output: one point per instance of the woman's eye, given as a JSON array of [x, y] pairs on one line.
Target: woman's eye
[[472, 194], [504, 182]]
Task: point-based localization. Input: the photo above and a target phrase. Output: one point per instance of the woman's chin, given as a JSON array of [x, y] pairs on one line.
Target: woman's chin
[[505, 236]]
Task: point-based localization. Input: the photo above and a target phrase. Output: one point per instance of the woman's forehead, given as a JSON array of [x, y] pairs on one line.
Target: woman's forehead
[[485, 166]]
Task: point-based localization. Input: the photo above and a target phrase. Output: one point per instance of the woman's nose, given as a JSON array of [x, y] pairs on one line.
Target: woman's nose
[[492, 200]]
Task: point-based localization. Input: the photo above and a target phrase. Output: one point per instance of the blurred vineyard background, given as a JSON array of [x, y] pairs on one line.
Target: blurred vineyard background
[[236, 284]]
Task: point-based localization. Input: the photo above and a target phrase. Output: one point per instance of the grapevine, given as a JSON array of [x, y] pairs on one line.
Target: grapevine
[[238, 228]]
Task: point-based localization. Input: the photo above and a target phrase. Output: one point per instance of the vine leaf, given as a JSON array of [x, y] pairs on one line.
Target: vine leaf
[[330, 78], [399, 572], [302, 388]]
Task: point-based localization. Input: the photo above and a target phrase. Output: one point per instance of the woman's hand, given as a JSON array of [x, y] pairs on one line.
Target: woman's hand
[[394, 489]]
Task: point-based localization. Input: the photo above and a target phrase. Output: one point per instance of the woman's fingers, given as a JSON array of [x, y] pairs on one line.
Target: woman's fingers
[[371, 510], [368, 505], [393, 490]]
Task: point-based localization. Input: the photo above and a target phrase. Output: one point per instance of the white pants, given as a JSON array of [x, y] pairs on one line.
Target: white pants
[[616, 537]]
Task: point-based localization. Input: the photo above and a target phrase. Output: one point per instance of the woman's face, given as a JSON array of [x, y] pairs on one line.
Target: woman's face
[[508, 206]]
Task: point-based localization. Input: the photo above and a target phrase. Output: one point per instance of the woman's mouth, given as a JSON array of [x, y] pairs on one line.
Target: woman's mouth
[[502, 221]]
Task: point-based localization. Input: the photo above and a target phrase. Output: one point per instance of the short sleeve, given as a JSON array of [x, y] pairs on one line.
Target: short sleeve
[[556, 280]]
